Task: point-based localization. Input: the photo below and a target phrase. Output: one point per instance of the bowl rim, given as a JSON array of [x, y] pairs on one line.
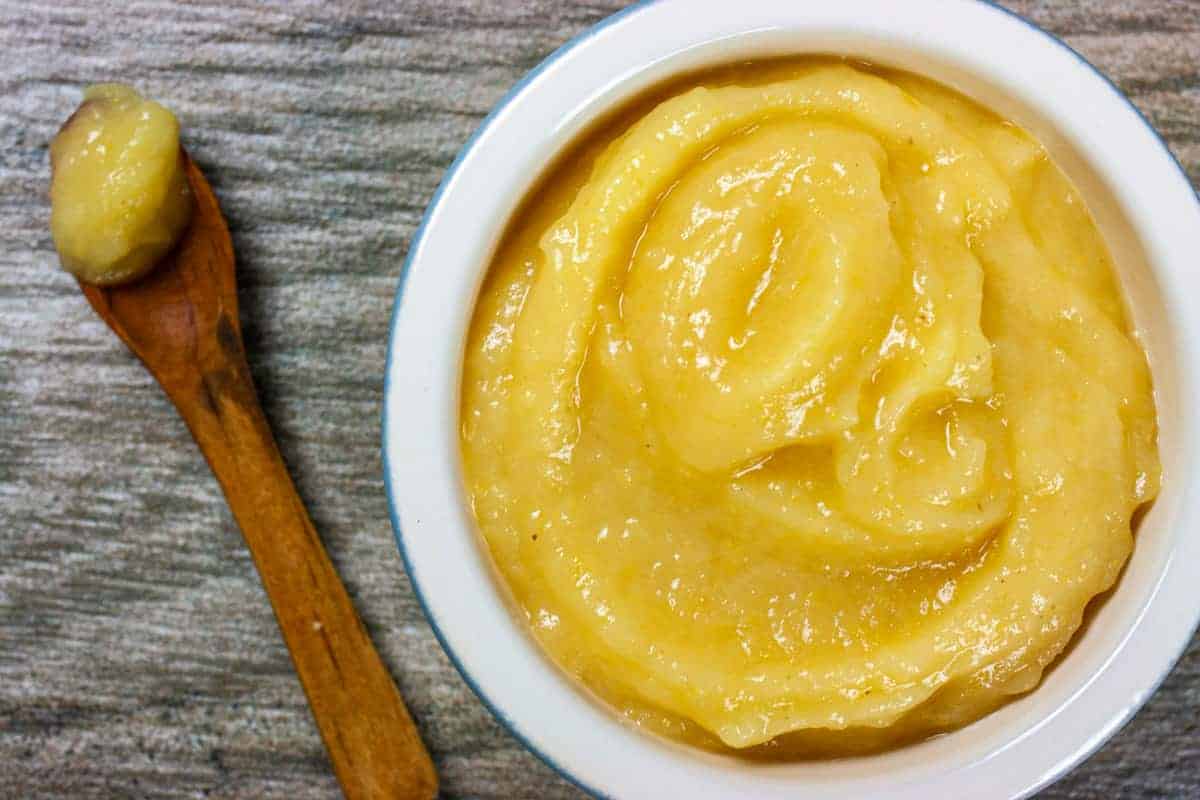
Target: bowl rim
[[393, 448]]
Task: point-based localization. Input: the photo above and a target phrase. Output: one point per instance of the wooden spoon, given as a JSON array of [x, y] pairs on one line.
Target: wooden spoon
[[181, 320]]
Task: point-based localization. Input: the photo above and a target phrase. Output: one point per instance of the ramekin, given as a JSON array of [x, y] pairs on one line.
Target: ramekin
[[1150, 217]]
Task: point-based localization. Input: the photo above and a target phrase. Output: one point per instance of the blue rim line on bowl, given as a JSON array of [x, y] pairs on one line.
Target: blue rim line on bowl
[[414, 245]]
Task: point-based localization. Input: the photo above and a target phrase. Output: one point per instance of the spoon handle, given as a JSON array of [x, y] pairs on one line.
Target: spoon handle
[[372, 742], [181, 320]]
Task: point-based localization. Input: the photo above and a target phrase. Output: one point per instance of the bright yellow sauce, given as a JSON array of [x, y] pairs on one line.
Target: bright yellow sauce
[[801, 400]]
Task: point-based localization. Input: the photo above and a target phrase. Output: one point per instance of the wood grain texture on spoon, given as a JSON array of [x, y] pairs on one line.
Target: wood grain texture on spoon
[[181, 320]]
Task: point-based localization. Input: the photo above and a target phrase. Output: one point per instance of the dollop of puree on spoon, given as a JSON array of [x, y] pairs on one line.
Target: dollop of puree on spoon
[[119, 194]]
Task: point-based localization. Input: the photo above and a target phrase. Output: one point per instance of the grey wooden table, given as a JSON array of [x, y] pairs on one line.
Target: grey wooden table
[[138, 655]]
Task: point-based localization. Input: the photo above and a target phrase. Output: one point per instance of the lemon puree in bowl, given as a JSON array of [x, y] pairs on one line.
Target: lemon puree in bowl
[[800, 401]]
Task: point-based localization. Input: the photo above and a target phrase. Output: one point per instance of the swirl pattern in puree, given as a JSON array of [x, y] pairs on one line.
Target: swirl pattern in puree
[[801, 399]]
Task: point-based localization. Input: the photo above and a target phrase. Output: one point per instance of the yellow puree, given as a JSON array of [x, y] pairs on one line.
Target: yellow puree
[[801, 401], [119, 196]]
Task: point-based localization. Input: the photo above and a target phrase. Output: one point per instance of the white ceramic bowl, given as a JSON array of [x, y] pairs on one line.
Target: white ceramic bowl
[[1150, 217]]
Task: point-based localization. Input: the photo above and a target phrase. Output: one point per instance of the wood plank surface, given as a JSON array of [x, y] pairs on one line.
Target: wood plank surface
[[138, 654]]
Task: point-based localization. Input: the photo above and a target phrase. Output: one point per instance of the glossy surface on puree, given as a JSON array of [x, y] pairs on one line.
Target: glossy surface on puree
[[119, 195], [800, 399]]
